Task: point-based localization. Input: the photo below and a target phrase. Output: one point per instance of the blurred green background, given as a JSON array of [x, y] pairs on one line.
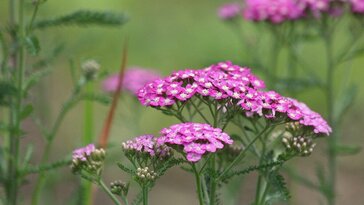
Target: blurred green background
[[166, 35]]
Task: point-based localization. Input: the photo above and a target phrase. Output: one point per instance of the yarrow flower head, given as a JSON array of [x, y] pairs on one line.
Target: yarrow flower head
[[272, 105], [196, 139], [146, 144], [275, 11], [220, 81], [134, 79], [229, 11], [88, 158]]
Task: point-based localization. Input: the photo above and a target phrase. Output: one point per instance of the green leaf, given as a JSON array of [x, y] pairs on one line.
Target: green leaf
[[103, 99], [84, 18], [125, 169], [26, 111], [347, 150], [45, 167], [261, 167], [34, 78], [280, 189], [7, 90], [345, 101], [32, 45], [358, 52]]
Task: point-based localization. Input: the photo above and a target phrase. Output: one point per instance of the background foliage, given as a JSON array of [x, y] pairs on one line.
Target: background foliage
[[165, 35]]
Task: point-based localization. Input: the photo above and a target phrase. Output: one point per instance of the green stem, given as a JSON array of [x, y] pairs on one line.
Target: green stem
[[333, 140], [198, 184], [241, 154], [262, 183], [108, 192], [87, 139], [19, 57], [212, 181], [145, 195]]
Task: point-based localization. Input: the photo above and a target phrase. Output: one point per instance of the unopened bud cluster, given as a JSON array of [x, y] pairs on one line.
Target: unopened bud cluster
[[119, 188], [293, 126], [300, 144], [90, 69], [88, 158], [146, 144], [145, 174]]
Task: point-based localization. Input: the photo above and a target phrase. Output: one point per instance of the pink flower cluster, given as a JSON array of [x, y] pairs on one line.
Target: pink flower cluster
[[82, 153], [146, 144], [268, 104], [229, 11], [357, 6], [134, 79], [221, 81], [195, 138], [227, 81], [275, 11]]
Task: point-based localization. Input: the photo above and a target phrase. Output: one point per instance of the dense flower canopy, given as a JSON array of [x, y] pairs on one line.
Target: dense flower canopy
[[134, 79], [237, 84], [220, 81], [195, 138]]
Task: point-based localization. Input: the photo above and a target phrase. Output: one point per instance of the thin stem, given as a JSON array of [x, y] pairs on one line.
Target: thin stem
[[108, 192], [241, 154], [12, 179], [212, 181], [87, 188], [145, 195], [333, 140], [35, 11], [199, 112], [198, 184]]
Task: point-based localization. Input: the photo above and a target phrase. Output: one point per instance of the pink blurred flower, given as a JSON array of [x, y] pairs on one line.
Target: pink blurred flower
[[134, 79], [229, 11]]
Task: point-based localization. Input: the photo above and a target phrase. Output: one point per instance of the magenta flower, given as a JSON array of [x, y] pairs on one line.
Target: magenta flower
[[268, 104], [221, 81], [357, 6], [229, 11], [275, 11], [196, 139], [83, 152], [134, 79], [146, 144]]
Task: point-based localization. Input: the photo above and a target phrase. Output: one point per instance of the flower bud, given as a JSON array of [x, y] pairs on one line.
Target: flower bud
[[90, 69]]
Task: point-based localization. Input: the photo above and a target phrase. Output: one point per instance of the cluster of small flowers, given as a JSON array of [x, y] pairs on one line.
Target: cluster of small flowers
[[195, 138], [221, 81], [134, 79], [145, 174], [275, 11], [119, 187], [225, 80], [229, 11], [146, 144], [269, 103], [88, 158], [301, 145]]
